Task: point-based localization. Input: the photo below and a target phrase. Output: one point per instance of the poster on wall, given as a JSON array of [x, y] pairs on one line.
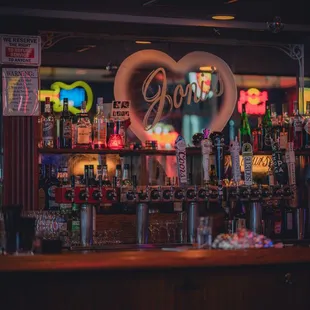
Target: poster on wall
[[20, 91], [20, 50]]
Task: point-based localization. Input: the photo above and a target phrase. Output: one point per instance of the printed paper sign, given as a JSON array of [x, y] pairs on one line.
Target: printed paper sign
[[120, 110], [20, 50], [20, 89]]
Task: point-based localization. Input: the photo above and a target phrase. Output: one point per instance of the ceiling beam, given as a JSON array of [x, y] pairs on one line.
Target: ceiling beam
[[124, 18]]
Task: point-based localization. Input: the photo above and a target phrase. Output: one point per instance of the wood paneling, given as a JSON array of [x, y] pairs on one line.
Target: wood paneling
[[20, 161]]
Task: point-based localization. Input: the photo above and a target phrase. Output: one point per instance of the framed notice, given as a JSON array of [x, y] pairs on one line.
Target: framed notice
[[20, 50], [120, 110], [20, 89]]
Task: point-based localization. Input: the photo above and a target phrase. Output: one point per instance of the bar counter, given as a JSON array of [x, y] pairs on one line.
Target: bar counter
[[159, 280], [154, 259]]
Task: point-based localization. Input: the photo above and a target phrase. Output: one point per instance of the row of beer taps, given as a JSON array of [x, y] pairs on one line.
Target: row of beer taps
[[134, 194]]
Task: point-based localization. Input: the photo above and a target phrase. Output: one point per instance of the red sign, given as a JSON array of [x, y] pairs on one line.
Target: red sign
[[254, 100], [19, 52]]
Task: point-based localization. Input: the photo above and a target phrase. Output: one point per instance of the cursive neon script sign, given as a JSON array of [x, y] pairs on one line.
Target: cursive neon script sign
[[161, 98]]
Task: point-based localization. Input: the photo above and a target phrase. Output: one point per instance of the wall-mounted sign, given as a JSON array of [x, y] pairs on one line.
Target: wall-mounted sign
[[161, 100], [254, 100], [260, 163], [76, 93], [20, 91], [20, 50], [120, 110]]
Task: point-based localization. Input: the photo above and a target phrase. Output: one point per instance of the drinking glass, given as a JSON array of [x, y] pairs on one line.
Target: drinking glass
[[204, 233]]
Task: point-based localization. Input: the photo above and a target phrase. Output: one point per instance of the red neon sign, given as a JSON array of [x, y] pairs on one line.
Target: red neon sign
[[254, 100]]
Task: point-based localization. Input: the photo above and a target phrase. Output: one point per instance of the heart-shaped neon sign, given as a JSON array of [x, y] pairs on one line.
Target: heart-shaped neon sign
[[190, 62]]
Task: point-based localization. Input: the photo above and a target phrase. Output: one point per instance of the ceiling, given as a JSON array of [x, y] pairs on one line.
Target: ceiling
[[245, 10]]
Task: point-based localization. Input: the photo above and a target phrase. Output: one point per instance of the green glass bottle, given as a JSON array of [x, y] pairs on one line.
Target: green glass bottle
[[245, 130], [267, 128]]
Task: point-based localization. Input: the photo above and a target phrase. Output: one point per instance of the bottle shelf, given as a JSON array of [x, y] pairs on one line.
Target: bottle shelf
[[127, 152]]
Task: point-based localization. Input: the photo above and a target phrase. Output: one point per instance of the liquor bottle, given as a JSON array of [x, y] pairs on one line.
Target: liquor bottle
[[105, 178], [306, 131], [65, 127], [74, 122], [245, 130], [274, 117], [283, 134], [40, 128], [239, 217], [277, 232], [65, 208], [83, 129], [289, 222], [48, 126], [100, 127], [126, 181], [42, 181], [118, 175], [51, 185], [267, 127], [91, 176], [297, 125]]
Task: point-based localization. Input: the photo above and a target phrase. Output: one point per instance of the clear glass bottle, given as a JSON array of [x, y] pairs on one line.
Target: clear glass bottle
[[83, 129], [100, 127], [105, 178], [118, 175], [126, 181], [48, 126]]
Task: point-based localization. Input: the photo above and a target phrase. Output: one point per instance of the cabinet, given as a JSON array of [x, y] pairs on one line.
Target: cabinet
[[243, 287]]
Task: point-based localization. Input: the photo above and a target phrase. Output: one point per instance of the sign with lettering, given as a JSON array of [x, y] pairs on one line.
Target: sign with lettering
[[157, 95], [120, 110], [20, 50], [260, 163], [20, 88]]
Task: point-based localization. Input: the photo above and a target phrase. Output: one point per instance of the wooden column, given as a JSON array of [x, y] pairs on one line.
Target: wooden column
[[20, 161]]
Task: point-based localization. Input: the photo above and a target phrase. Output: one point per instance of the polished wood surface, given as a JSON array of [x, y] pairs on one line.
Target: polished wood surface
[[154, 259]]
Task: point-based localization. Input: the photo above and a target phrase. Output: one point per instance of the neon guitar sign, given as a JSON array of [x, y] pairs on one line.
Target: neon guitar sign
[[75, 92]]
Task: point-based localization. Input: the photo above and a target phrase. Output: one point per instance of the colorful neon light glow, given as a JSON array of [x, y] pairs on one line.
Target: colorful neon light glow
[[204, 79], [254, 100], [76, 93]]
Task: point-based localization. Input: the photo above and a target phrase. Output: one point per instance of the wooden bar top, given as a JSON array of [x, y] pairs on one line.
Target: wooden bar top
[[157, 259]]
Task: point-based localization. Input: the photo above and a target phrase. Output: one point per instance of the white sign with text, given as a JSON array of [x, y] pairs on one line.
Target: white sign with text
[[20, 50], [20, 89]]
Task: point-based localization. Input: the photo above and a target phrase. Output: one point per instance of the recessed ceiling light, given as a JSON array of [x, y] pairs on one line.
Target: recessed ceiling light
[[143, 42], [223, 17]]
